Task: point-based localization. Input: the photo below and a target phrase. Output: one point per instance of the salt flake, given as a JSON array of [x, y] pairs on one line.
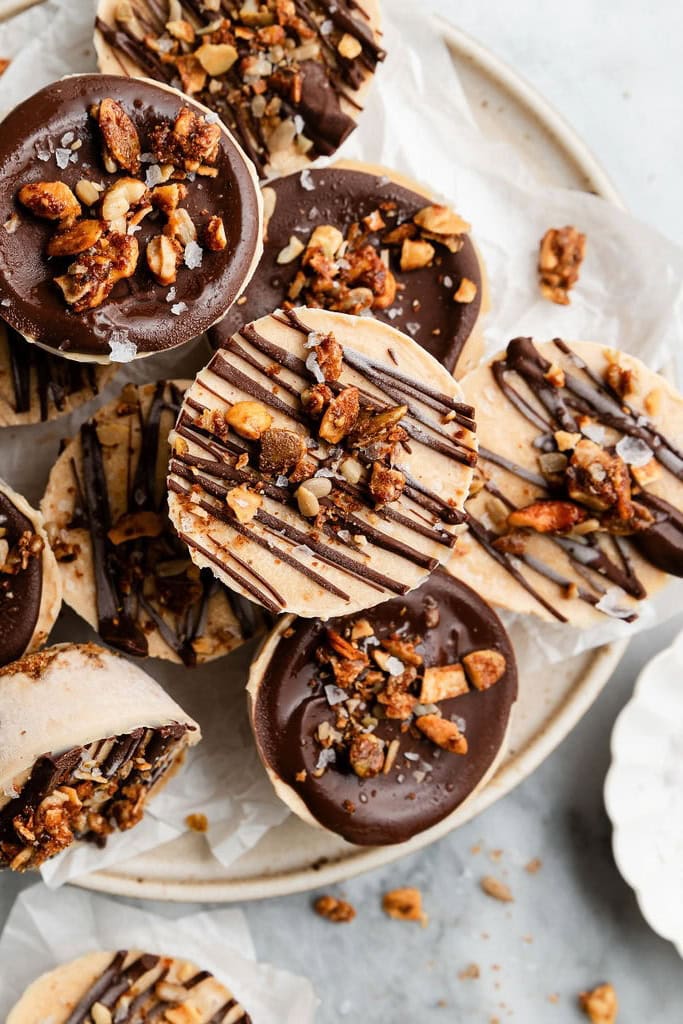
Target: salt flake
[[193, 255], [634, 451], [611, 604], [178, 308], [62, 156], [335, 694], [121, 349], [153, 176], [313, 366], [306, 179]]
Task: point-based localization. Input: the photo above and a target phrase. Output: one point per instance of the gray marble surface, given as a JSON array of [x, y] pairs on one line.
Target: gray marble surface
[[613, 69]]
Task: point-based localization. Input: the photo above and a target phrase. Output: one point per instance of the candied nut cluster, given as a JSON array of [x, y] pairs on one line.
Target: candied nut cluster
[[356, 272], [256, 65], [560, 257], [368, 678], [96, 226], [16, 559], [335, 910], [404, 905], [600, 1005]]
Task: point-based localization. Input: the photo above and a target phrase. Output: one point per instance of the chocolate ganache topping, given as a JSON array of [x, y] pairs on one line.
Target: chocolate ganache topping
[[57, 288], [21, 580], [355, 714], [595, 499], [368, 254], [285, 76]]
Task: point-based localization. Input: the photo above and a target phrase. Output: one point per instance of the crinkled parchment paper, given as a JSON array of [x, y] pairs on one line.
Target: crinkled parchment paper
[[43, 925], [418, 122]]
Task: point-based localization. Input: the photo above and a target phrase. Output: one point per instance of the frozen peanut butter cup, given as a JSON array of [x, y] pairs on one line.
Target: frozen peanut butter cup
[[36, 385], [576, 511], [320, 463], [377, 726], [86, 738], [130, 219], [123, 567], [128, 986], [288, 77], [30, 584], [361, 239]]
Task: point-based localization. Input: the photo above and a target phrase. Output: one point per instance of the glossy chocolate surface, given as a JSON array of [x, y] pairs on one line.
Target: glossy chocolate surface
[[340, 197], [137, 306], [20, 592], [389, 808]]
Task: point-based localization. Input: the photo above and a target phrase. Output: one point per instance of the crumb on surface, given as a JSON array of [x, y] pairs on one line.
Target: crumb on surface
[[496, 889]]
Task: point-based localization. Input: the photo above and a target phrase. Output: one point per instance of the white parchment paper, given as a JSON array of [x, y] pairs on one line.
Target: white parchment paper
[[417, 121], [46, 929]]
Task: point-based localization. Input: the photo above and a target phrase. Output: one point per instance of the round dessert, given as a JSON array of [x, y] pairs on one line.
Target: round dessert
[[36, 386], [86, 738], [101, 986], [30, 584], [123, 568], [379, 726], [576, 513], [129, 225], [320, 463], [360, 239], [288, 78]]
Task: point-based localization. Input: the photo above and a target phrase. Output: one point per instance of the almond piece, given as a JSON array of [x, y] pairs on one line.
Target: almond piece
[[548, 516], [77, 238], [120, 135], [484, 668], [280, 451], [443, 733], [51, 200], [119, 197], [443, 682], [416, 254], [326, 238], [87, 192], [441, 220], [467, 291], [168, 197], [496, 889], [216, 58], [181, 29], [181, 227], [163, 256], [249, 419], [309, 506], [290, 252], [215, 238]]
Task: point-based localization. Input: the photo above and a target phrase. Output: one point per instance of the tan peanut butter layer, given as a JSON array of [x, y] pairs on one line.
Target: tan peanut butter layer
[[123, 568], [128, 986], [30, 584], [320, 463], [576, 510], [358, 237], [129, 218], [36, 386], [86, 738], [288, 77]]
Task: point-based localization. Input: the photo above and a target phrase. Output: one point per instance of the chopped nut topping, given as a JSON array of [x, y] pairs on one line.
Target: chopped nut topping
[[404, 905], [467, 291], [330, 357], [309, 506], [163, 256], [416, 254], [386, 485], [443, 682], [484, 668], [89, 280], [548, 516], [51, 200], [620, 379], [496, 889], [366, 755], [290, 252], [440, 220], [244, 503], [249, 419], [281, 450], [168, 197], [560, 258], [121, 140], [340, 416], [215, 238], [197, 822], [189, 144], [335, 910], [600, 1004], [75, 239], [442, 732]]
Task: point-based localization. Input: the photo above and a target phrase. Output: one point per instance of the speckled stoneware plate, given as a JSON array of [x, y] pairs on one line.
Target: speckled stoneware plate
[[294, 857], [644, 793]]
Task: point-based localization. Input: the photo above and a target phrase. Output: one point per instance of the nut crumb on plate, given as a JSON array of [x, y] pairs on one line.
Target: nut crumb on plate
[[404, 905], [600, 1004], [496, 889], [335, 910]]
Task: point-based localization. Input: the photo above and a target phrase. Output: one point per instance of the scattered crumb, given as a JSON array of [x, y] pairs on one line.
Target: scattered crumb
[[471, 972], [197, 822], [404, 905], [495, 855], [527, 938], [4, 64], [337, 911], [497, 889], [441, 1003], [534, 866], [554, 997], [600, 1004], [475, 849]]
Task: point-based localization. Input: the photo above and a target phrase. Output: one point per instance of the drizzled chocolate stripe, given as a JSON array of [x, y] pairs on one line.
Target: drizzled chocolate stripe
[[98, 988], [232, 375], [273, 606], [123, 750]]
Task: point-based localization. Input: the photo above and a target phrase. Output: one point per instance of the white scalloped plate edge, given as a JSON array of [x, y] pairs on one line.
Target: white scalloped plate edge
[[646, 739]]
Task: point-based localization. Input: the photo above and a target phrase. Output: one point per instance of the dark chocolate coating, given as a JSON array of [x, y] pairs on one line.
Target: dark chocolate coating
[[287, 711], [339, 198], [137, 305], [20, 593]]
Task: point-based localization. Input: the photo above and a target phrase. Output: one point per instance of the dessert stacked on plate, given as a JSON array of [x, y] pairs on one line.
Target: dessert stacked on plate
[[325, 466]]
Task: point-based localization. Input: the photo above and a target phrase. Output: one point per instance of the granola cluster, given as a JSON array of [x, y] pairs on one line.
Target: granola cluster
[[250, 64], [364, 442], [367, 679], [356, 272], [560, 257], [97, 225]]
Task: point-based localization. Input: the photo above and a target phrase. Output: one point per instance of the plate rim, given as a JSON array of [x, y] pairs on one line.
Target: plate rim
[[566, 716]]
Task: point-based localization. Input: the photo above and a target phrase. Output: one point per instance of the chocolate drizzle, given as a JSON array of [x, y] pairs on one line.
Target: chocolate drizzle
[[20, 591], [290, 704], [583, 393], [325, 83]]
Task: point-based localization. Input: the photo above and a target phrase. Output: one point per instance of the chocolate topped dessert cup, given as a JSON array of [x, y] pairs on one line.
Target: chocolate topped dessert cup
[[576, 511], [36, 386], [288, 77], [123, 568], [104, 986], [361, 239], [86, 738], [130, 218], [379, 725], [320, 463], [30, 584]]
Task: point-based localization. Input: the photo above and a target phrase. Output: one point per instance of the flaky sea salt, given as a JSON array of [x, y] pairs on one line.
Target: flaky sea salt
[[121, 349], [170, 295], [634, 451], [313, 366], [412, 328], [326, 27], [153, 176], [335, 694], [62, 156], [395, 666], [212, 117], [281, 481], [594, 432], [611, 603], [178, 308], [67, 138], [306, 179], [146, 158], [193, 255]]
